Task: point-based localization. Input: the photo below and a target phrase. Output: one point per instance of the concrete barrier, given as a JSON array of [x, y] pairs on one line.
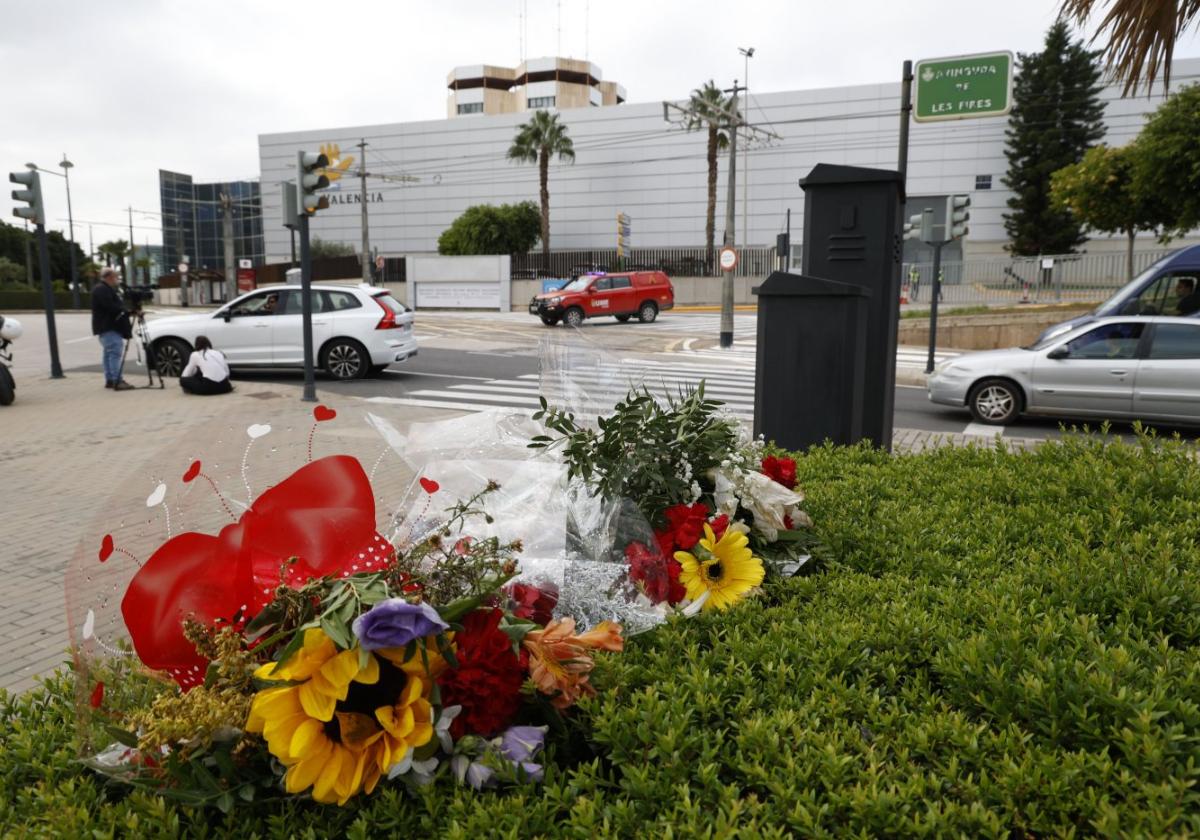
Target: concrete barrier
[[985, 331]]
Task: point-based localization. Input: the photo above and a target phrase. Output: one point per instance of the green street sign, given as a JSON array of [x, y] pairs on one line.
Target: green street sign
[[963, 86]]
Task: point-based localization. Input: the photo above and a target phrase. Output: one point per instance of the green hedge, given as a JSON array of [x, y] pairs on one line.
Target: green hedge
[[1004, 646], [12, 300]]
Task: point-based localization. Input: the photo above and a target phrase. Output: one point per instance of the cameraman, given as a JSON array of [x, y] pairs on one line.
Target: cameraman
[[111, 324]]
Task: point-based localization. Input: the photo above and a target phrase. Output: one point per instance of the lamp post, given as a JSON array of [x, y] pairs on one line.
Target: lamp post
[[748, 53], [66, 168]]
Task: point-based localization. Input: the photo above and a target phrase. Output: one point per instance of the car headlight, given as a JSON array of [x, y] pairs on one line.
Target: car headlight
[[555, 301], [944, 366]]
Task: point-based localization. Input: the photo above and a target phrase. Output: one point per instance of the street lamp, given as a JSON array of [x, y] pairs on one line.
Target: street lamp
[[747, 53], [66, 168]]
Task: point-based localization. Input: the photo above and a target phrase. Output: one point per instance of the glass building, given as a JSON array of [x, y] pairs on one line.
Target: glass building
[[192, 221]]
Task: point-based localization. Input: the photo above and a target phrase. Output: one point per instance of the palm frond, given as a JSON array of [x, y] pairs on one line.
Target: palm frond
[[1141, 35]]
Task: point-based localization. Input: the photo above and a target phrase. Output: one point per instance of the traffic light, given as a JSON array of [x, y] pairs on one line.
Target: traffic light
[[957, 216], [308, 182], [32, 195], [920, 226]]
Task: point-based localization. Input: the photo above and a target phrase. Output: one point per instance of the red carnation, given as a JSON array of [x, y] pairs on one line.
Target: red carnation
[[533, 602], [719, 526], [657, 573], [487, 681], [687, 523], [782, 470]]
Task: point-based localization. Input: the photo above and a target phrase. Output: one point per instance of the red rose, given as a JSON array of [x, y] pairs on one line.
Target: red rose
[[782, 470], [687, 523], [487, 682], [532, 602], [657, 573]]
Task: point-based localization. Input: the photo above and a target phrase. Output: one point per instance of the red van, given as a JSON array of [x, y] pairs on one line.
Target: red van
[[640, 293]]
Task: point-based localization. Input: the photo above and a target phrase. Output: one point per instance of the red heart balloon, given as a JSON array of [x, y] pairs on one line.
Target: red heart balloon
[[322, 413], [106, 547], [192, 472], [430, 486], [97, 696]]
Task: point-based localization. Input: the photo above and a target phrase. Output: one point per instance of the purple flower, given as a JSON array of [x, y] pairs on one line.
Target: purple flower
[[395, 623], [520, 744]]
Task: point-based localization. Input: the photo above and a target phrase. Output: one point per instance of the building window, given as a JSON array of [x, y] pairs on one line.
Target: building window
[[471, 108], [983, 182], [541, 102]]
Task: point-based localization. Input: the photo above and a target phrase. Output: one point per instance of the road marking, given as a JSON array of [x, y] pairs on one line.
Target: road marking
[[77, 340], [440, 375], [983, 430]]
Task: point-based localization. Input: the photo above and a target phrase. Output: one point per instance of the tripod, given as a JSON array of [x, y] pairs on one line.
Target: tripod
[[145, 353]]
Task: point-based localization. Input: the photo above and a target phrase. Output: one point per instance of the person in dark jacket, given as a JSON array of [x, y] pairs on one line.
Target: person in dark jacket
[[110, 323]]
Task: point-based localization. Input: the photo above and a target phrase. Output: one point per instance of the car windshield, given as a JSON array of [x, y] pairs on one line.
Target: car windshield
[[578, 284], [1114, 303]]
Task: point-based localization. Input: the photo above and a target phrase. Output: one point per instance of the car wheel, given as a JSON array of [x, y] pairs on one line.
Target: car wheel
[[573, 317], [345, 359], [648, 312], [623, 318], [996, 402], [170, 356], [549, 321], [8, 388]]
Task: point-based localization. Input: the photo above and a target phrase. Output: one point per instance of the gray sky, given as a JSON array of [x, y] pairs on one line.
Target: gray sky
[[126, 87]]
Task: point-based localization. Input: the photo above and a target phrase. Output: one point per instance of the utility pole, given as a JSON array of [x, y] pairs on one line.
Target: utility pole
[[747, 53], [227, 237], [28, 257], [66, 168], [730, 220], [366, 239], [132, 248]]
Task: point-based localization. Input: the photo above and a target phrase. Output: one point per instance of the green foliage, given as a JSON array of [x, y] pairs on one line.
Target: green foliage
[[12, 300], [1100, 191], [538, 140], [324, 248], [12, 273], [1169, 163], [12, 247], [1007, 645], [485, 229], [1057, 115], [709, 111]]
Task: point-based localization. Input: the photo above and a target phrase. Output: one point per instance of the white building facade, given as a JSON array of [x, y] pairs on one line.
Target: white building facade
[[629, 159]]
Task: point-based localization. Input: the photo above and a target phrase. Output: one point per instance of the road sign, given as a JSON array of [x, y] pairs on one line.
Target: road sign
[[244, 263], [183, 268], [964, 86], [729, 259]]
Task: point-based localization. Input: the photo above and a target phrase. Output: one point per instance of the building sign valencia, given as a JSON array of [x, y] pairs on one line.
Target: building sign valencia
[[963, 87]]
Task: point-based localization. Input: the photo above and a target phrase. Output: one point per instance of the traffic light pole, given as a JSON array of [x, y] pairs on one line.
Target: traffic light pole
[[730, 225], [310, 385], [48, 302], [936, 285]]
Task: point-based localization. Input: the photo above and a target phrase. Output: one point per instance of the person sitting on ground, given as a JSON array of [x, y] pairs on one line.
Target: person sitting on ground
[[207, 372]]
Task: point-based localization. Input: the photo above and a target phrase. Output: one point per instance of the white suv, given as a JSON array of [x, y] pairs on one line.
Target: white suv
[[356, 330]]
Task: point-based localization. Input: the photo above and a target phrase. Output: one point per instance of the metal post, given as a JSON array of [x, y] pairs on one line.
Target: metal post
[[227, 236], [366, 240], [132, 248], [730, 224], [66, 166], [28, 256], [310, 385], [905, 109], [292, 231], [748, 54], [787, 265], [936, 286], [48, 302]]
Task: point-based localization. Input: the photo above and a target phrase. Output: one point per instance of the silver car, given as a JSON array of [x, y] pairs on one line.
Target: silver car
[[1117, 368]]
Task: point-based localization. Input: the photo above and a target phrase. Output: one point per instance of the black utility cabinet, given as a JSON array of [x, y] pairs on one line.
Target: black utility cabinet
[[811, 361]]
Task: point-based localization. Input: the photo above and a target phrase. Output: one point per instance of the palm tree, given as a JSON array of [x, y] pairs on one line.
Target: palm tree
[[536, 141], [708, 110], [1142, 34], [117, 249]]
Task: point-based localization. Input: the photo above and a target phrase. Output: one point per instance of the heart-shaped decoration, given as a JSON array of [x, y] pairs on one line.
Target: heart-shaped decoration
[[155, 498], [106, 547], [322, 413], [97, 696], [258, 430], [430, 486], [89, 625], [192, 472]]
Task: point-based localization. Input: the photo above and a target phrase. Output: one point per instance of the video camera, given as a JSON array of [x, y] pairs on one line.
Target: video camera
[[135, 296]]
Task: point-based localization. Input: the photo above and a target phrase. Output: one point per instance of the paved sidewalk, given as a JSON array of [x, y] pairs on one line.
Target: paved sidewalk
[[68, 448]]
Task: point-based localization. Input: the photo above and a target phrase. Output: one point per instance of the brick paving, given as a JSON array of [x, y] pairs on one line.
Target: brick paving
[[69, 448]]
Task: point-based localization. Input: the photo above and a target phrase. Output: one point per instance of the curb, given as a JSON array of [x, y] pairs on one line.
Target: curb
[[910, 376]]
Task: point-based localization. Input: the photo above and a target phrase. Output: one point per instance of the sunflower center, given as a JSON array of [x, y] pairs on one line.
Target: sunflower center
[[714, 571], [365, 699]]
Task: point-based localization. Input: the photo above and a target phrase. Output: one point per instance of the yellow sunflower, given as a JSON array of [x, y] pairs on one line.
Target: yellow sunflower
[[338, 726], [726, 569]]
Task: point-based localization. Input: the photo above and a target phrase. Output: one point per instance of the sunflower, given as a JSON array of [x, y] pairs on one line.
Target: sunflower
[[725, 569], [339, 724]]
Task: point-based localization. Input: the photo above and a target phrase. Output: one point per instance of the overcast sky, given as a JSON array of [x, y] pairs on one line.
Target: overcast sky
[[126, 87]]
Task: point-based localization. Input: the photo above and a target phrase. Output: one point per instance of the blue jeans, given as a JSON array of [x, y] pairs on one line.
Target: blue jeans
[[113, 344]]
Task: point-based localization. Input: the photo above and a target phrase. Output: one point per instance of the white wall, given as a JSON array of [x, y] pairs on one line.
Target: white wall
[[629, 160], [459, 282]]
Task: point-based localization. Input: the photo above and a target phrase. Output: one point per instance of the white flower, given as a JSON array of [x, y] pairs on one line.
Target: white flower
[[442, 729], [767, 500], [696, 491]]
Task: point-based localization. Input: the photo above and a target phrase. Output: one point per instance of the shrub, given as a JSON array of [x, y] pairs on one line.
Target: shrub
[[1004, 645], [11, 300]]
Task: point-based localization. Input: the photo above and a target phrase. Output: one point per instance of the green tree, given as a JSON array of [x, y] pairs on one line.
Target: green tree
[[1057, 115], [709, 111], [484, 229], [324, 248], [12, 273], [1142, 34], [1102, 193], [116, 251], [1169, 163], [537, 141]]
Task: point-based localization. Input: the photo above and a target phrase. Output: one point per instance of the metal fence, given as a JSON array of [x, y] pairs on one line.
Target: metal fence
[[1061, 278], [676, 262]]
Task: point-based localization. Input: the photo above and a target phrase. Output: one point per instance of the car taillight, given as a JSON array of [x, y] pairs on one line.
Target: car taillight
[[388, 321]]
